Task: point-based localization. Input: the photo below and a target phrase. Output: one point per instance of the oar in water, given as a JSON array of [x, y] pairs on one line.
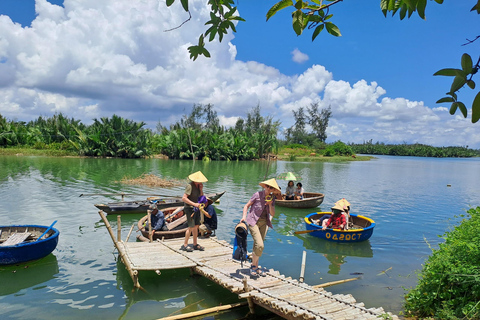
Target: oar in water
[[308, 231], [46, 231]]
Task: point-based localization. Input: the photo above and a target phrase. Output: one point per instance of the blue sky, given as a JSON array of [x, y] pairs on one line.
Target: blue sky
[[90, 59]]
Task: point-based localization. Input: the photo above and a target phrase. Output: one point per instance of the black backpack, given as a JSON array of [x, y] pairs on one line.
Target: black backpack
[[240, 242]]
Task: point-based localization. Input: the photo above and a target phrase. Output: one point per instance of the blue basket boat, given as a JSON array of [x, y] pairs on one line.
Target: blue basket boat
[[360, 228], [21, 243]]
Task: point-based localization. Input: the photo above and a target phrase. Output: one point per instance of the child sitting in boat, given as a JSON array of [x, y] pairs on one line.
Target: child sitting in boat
[[299, 192], [337, 219]]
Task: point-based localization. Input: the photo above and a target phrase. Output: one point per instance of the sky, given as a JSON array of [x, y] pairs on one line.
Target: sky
[[89, 59]]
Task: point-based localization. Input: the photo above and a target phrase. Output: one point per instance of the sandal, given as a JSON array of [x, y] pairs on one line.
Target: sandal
[[253, 271], [186, 248], [198, 247], [260, 272]]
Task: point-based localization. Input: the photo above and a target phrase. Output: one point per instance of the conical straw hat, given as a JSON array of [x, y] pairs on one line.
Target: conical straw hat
[[272, 183], [343, 202], [338, 207], [197, 177]]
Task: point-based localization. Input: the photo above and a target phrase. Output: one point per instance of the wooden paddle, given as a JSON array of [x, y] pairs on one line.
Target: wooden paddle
[[48, 229], [308, 231], [174, 213]]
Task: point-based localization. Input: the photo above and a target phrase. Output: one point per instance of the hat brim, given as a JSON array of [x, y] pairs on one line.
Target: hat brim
[[264, 185], [197, 177]]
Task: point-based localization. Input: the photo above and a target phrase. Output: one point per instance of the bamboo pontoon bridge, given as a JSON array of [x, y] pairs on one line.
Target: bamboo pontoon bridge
[[284, 296]]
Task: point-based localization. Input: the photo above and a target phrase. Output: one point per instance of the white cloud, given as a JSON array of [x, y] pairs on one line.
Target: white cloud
[[94, 58], [298, 56]]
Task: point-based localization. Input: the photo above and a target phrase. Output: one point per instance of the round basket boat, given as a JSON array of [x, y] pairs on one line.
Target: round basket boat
[[361, 228], [177, 227]]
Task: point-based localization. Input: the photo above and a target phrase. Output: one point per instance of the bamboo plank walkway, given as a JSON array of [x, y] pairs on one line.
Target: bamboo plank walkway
[[281, 295]]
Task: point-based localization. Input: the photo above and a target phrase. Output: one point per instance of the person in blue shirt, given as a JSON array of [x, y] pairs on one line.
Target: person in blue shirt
[[157, 219]]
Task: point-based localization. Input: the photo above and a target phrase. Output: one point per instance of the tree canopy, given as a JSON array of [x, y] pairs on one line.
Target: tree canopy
[[316, 15]]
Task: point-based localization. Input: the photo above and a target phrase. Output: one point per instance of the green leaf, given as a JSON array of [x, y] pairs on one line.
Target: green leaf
[[467, 63], [450, 72], [318, 29], [446, 99], [457, 83], [299, 5], [206, 53], [195, 51], [476, 108], [462, 108], [476, 7], [403, 12], [184, 4], [278, 6], [297, 22], [453, 108], [421, 5], [439, 1], [332, 29], [471, 84], [170, 2]]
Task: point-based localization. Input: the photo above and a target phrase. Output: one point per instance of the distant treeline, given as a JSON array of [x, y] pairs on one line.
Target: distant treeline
[[196, 136], [415, 150]]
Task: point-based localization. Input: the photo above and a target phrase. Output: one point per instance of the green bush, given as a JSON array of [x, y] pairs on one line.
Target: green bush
[[296, 146], [338, 149], [449, 283]]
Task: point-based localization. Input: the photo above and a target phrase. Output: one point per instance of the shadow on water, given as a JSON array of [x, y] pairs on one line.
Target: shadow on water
[[177, 292], [14, 278]]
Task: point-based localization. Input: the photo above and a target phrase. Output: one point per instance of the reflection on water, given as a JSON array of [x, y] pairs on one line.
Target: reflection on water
[[175, 292], [26, 275], [407, 197], [337, 253]]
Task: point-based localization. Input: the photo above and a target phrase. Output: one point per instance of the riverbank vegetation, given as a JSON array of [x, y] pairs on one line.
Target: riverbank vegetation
[[449, 283], [415, 150], [199, 136]]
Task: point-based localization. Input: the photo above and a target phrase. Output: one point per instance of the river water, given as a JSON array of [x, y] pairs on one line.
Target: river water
[[412, 200]]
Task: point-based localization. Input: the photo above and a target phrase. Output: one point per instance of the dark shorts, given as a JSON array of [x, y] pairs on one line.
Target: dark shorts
[[192, 221]]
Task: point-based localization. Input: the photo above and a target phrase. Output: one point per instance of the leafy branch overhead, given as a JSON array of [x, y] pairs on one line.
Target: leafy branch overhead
[[223, 13], [315, 15]]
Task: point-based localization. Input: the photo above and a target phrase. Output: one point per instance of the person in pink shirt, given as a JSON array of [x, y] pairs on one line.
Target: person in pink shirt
[[258, 219]]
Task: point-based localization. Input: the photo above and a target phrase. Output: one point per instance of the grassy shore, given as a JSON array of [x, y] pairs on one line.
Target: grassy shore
[[300, 154], [287, 154], [19, 151]]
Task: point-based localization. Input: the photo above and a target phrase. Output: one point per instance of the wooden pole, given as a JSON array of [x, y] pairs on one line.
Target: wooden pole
[[302, 271], [133, 273], [130, 232], [206, 311], [127, 194], [119, 228], [150, 228], [251, 305], [328, 284]]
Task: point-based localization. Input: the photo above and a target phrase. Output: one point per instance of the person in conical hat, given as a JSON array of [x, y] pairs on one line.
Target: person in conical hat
[[197, 177], [192, 193], [262, 207], [337, 219], [344, 203], [346, 208]]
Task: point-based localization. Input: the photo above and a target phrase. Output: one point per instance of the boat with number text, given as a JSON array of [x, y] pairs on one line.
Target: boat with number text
[[360, 228]]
